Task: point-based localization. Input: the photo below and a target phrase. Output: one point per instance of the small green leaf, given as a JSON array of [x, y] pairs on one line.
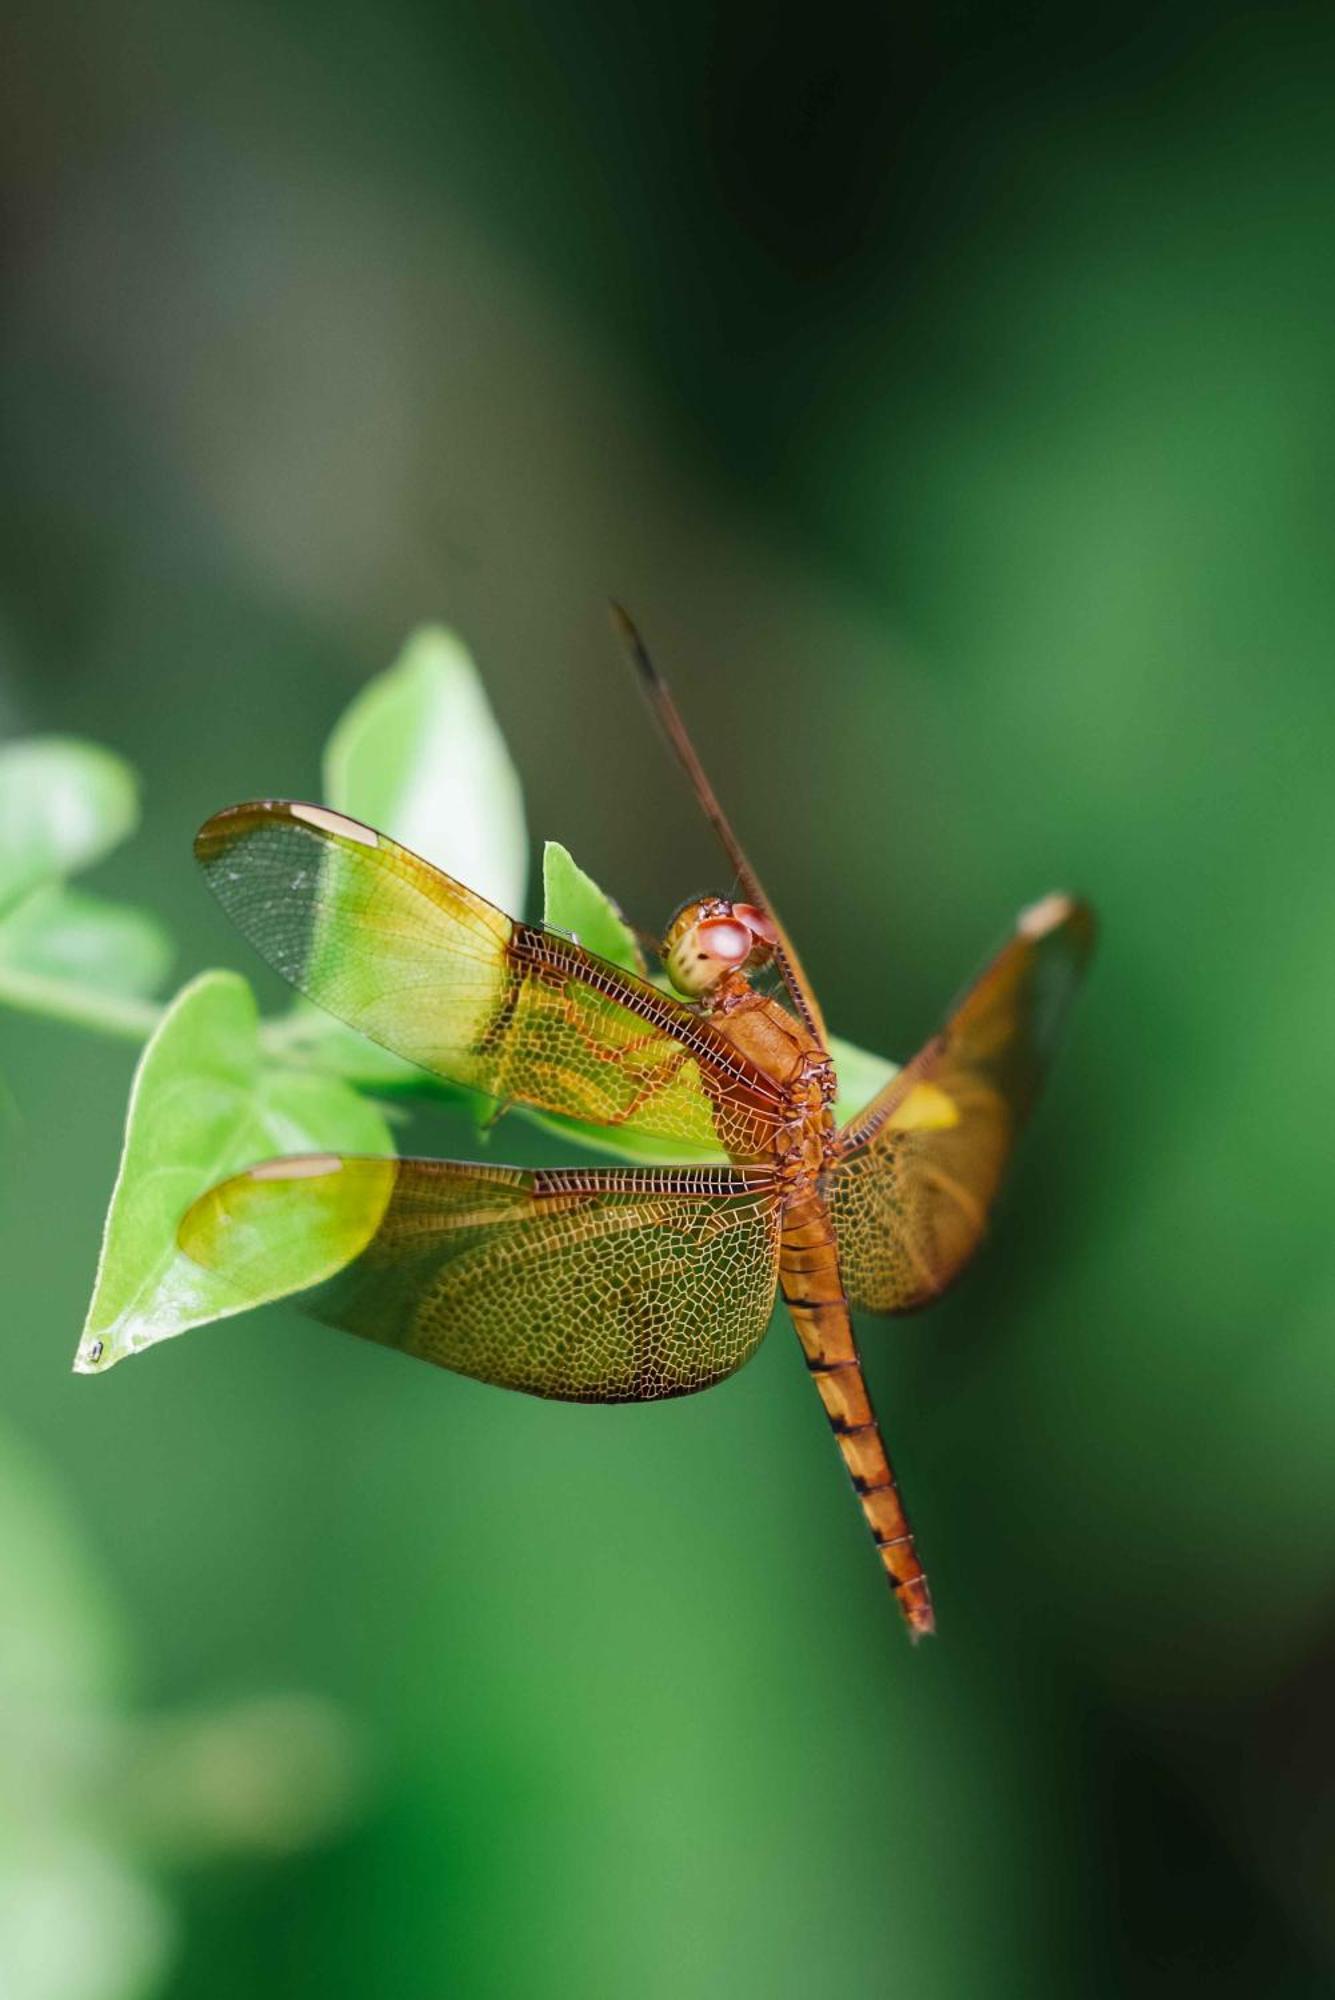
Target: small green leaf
[[860, 1075], [79, 940], [63, 805], [573, 902], [204, 1105], [420, 756]]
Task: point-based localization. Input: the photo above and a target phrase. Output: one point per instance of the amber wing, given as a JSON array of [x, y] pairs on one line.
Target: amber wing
[[923, 1161], [425, 967], [593, 1287]]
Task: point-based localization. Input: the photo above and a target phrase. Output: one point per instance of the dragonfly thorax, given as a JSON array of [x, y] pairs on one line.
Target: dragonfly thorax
[[712, 937]]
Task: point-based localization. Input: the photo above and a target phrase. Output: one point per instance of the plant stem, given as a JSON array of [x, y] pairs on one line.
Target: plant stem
[[105, 1013], [285, 1039]]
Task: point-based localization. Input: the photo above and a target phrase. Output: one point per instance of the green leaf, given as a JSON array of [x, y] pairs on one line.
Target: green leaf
[[308, 1037], [63, 805], [420, 756], [642, 1147], [79, 940], [573, 902], [203, 1105]]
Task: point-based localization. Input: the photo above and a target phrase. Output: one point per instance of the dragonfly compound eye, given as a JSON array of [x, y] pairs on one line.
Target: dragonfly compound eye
[[724, 939]]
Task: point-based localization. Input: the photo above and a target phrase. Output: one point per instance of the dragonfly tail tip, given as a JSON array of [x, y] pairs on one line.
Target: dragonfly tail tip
[[916, 1604]]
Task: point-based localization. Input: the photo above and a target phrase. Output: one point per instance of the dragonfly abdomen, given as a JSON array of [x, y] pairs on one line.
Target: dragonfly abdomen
[[813, 1291]]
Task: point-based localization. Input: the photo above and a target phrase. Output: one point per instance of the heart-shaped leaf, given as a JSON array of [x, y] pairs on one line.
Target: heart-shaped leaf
[[63, 805], [204, 1104], [419, 755]]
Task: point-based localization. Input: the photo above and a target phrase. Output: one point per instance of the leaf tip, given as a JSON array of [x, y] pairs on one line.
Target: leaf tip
[[94, 1356]]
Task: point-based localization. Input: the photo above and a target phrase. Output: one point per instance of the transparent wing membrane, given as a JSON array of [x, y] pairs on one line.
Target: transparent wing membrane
[[420, 964], [588, 1286]]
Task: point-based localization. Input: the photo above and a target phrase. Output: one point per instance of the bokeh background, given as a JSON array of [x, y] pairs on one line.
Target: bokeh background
[[951, 392]]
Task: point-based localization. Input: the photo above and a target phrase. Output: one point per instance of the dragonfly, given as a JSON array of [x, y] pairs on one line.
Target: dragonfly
[[621, 1283]]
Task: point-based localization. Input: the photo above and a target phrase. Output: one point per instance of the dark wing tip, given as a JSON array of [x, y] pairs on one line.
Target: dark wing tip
[[222, 828], [234, 822]]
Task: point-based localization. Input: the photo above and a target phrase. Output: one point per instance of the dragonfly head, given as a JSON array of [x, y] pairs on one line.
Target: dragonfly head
[[709, 938]]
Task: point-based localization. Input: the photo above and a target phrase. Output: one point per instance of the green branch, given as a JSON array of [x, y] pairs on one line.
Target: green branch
[[286, 1039], [80, 1006]]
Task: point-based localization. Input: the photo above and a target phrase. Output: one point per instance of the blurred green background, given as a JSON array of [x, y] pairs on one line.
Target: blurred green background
[[952, 396]]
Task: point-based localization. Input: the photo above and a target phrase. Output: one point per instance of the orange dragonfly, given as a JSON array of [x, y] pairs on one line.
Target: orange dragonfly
[[626, 1284]]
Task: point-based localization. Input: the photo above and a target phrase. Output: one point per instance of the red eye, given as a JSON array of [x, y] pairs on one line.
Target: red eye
[[758, 922], [722, 938]]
